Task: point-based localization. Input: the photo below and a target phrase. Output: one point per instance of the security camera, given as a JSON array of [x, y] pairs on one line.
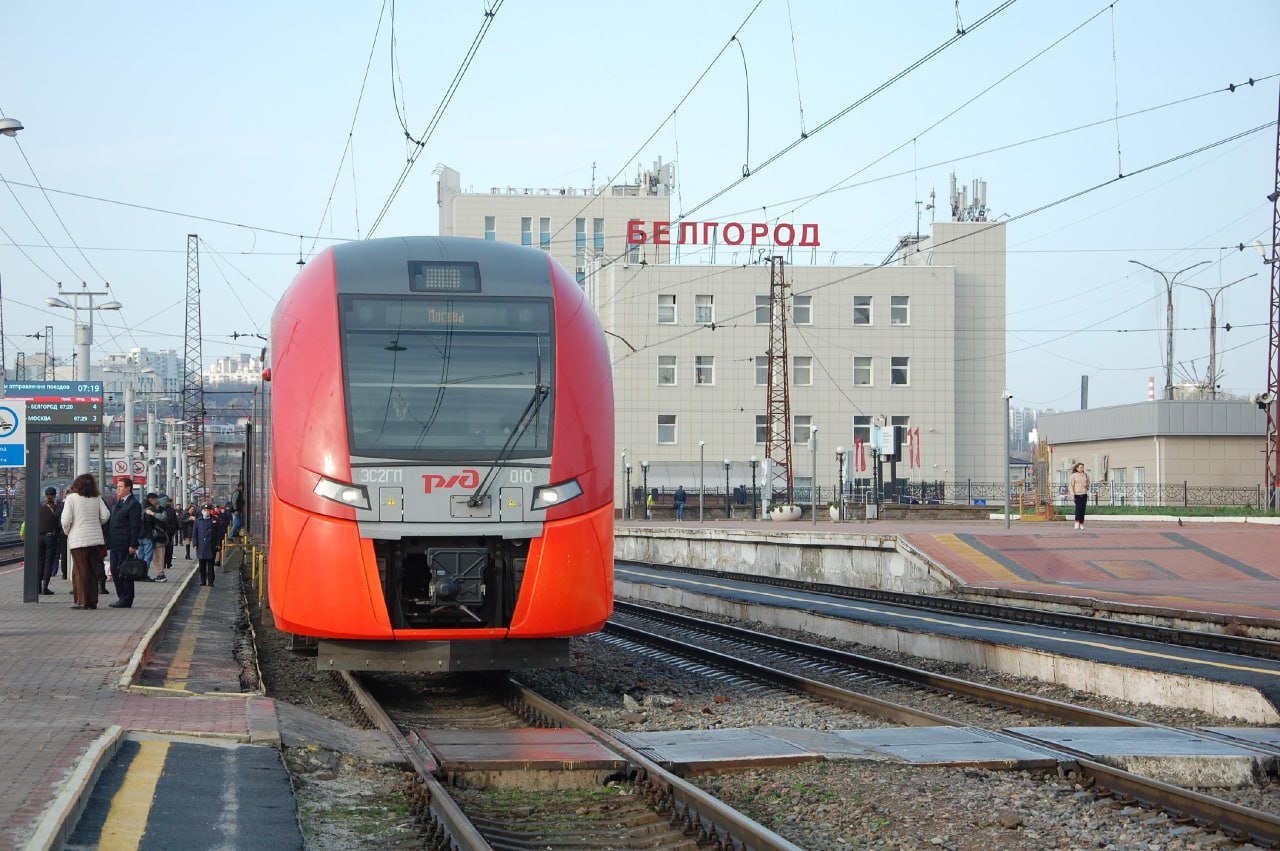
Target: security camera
[[1264, 400]]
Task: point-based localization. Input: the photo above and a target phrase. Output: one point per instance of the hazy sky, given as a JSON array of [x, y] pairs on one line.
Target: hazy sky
[[240, 112]]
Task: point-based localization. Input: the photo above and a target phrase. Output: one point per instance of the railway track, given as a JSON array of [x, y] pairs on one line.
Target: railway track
[[650, 807], [685, 637], [1240, 645]]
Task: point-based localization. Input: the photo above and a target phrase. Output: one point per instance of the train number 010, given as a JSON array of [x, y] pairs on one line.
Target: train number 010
[[521, 477]]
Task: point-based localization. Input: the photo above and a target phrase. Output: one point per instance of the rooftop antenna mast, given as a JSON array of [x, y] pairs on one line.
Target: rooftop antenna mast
[[778, 394], [48, 353], [193, 382]]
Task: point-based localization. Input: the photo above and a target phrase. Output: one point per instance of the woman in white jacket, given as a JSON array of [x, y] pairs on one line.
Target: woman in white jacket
[[83, 514]]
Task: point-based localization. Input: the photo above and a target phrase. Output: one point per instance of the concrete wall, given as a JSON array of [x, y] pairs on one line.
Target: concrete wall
[[866, 561]]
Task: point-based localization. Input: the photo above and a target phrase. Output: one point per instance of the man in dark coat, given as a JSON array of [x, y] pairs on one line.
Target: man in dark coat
[[123, 531], [203, 535], [48, 521]]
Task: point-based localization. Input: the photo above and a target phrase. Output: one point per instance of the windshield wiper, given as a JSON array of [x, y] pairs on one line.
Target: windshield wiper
[[527, 418]]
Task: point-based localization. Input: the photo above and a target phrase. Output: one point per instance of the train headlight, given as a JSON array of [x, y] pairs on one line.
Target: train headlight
[[546, 496], [356, 496]]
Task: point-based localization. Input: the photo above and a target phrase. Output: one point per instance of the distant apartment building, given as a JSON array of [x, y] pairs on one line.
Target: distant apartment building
[[917, 343], [238, 369]]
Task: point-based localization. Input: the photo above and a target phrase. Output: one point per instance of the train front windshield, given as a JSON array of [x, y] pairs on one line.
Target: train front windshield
[[448, 379]]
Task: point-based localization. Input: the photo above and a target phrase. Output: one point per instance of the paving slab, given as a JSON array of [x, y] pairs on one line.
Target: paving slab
[[1174, 756]]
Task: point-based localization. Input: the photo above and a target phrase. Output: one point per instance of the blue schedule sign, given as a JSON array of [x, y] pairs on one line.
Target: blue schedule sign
[[34, 389], [12, 455]]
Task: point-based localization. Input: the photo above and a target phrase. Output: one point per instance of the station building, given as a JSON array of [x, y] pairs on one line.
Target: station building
[[917, 342], [1150, 451]]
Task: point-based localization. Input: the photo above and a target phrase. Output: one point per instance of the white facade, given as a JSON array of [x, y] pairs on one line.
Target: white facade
[[240, 368], [688, 345]]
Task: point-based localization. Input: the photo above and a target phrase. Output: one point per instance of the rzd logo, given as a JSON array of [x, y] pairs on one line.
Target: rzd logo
[[465, 479]]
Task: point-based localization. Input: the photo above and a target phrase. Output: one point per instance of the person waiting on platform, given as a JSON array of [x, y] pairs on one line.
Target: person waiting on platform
[[679, 500], [124, 530], [47, 549], [204, 535], [83, 516], [1078, 484]]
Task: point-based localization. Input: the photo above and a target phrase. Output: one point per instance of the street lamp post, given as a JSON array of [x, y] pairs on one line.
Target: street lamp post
[[1168, 286], [1213, 328], [813, 482], [84, 339], [1004, 455], [626, 489], [754, 462], [702, 480], [728, 509], [630, 496], [840, 482], [644, 472]]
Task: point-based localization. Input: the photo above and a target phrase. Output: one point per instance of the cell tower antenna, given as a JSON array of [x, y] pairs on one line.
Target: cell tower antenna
[[778, 393], [193, 412]]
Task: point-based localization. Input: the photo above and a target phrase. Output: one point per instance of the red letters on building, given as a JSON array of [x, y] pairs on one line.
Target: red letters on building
[[731, 233]]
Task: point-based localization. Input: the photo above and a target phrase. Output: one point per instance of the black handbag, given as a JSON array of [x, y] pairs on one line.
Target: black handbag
[[160, 537], [131, 568]]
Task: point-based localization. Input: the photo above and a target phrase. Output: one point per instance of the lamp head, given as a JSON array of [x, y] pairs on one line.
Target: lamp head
[[726, 463], [754, 460], [839, 450], [10, 126], [110, 305], [644, 465], [52, 301]]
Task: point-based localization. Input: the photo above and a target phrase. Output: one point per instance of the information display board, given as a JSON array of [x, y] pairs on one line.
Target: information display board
[[60, 406]]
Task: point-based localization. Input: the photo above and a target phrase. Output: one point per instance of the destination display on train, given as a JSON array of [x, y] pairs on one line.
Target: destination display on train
[[60, 406]]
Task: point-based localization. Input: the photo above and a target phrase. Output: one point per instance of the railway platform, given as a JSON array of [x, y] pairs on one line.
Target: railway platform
[[1223, 571], [130, 726]]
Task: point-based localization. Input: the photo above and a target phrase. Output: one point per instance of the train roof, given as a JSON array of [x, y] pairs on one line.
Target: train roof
[[375, 266]]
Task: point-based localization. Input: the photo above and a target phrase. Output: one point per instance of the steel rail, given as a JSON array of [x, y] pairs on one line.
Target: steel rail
[[445, 812], [1066, 712], [714, 819], [1233, 818], [1240, 645]]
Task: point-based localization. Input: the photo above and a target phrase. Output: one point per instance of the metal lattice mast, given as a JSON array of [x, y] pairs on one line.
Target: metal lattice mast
[[193, 381], [1273, 347], [20, 366], [778, 394], [48, 353]]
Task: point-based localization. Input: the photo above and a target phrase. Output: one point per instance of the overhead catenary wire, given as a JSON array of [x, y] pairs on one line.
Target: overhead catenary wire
[[347, 148], [978, 231], [788, 148], [663, 123], [419, 143]]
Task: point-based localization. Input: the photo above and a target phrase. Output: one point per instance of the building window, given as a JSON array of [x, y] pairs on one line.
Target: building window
[[900, 372], [490, 227], [666, 369], [526, 230], [762, 370], [802, 426], [862, 371], [802, 309], [666, 309], [762, 310], [544, 233], [704, 369], [862, 429], [704, 309], [666, 428], [801, 371], [762, 428], [580, 234], [900, 420], [862, 310], [597, 234], [900, 310]]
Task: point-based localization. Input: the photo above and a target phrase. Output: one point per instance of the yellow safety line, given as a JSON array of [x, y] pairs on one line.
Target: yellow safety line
[[977, 558], [131, 806], [979, 627], [180, 668]]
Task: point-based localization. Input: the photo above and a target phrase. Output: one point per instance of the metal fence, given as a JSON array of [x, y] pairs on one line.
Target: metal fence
[[965, 492]]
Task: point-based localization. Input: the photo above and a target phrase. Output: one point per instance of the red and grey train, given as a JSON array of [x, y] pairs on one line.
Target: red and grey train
[[442, 435]]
